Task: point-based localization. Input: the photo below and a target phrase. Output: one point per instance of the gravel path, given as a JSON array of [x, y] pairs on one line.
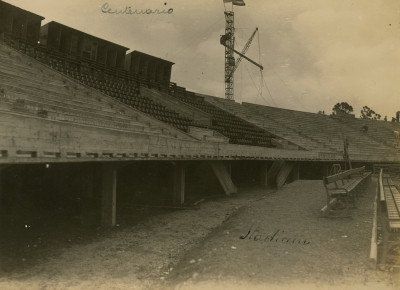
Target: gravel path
[[202, 249], [295, 245]]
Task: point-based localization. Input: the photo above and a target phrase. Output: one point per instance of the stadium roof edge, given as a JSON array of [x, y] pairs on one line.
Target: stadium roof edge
[[16, 7], [91, 35], [140, 52]]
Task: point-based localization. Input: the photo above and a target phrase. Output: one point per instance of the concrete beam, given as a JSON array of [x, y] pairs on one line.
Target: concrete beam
[[109, 195]]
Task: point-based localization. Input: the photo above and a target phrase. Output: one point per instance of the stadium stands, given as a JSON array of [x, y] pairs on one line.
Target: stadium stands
[[246, 124], [137, 85], [95, 104], [238, 130], [111, 81], [125, 87], [316, 131], [50, 96]]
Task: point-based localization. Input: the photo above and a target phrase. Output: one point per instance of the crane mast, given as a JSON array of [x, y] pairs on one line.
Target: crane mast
[[228, 41], [229, 56], [242, 55]]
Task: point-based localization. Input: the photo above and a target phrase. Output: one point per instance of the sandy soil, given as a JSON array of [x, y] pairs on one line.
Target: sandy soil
[[134, 257], [308, 251], [202, 249]]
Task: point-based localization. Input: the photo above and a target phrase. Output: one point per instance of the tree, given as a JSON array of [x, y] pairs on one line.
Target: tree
[[321, 112], [342, 107], [368, 113]]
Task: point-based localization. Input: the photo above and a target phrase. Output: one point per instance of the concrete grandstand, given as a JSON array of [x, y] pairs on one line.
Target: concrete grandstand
[[90, 133], [74, 103]]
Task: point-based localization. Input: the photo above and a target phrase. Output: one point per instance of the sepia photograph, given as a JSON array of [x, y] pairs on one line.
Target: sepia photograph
[[214, 144]]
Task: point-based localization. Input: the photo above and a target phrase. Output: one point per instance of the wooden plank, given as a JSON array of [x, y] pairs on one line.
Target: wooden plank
[[343, 175], [347, 184], [331, 202], [381, 191], [373, 254], [392, 197]]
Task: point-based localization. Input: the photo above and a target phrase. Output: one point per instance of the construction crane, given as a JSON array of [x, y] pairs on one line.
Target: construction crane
[[242, 55], [228, 41]]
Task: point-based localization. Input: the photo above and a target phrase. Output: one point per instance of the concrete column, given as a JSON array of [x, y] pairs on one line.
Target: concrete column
[[229, 168], [179, 183], [273, 171], [1, 187], [296, 172], [325, 169], [223, 174], [90, 181], [2, 167], [264, 175], [284, 173], [109, 195]]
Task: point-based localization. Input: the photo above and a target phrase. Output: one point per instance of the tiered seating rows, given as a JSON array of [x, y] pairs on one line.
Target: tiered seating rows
[[236, 129], [126, 88], [268, 123], [28, 90], [380, 131], [115, 83], [327, 130]]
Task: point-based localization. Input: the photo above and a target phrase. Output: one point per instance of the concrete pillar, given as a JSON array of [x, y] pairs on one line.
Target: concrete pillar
[[229, 168], [179, 183], [264, 175], [284, 173], [90, 181], [109, 195], [273, 171], [19, 180], [223, 174], [325, 169], [1, 187], [296, 172], [2, 167]]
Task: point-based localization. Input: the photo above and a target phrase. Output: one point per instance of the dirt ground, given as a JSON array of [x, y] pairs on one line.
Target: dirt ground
[[202, 249]]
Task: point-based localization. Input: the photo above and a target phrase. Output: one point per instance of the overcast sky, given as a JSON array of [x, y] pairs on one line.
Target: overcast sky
[[315, 53]]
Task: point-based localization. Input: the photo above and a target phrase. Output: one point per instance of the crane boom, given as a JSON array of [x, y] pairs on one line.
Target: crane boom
[[244, 50], [245, 57]]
